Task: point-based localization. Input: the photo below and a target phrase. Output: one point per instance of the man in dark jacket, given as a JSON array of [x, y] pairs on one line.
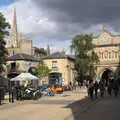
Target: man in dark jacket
[[96, 87]]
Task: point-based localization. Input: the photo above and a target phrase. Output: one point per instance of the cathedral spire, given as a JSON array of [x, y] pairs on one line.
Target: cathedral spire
[[48, 50], [14, 34]]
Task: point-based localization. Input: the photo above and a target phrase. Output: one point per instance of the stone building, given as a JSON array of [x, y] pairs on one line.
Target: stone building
[[20, 52], [17, 45], [21, 63], [108, 51], [61, 64]]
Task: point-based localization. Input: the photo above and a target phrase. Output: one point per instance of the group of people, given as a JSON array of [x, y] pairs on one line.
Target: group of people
[[111, 86]]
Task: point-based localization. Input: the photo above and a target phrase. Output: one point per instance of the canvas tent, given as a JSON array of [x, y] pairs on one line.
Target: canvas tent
[[24, 77]]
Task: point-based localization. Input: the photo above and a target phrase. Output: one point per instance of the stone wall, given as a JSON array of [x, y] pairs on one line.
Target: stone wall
[[108, 51]]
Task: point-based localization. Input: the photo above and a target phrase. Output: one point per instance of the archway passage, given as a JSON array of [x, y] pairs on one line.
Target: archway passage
[[106, 75]]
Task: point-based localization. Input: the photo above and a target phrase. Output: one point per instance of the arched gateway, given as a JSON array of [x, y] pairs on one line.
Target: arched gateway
[[108, 51]]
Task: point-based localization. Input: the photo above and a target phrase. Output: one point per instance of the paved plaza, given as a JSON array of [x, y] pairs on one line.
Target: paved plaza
[[46, 108], [72, 105]]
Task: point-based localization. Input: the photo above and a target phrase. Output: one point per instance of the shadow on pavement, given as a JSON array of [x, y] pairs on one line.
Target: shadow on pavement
[[86, 109], [80, 107]]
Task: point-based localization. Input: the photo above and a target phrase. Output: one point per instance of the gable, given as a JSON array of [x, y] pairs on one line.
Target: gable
[[103, 38]]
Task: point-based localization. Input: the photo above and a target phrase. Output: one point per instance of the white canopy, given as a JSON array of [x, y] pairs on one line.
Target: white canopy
[[24, 77]]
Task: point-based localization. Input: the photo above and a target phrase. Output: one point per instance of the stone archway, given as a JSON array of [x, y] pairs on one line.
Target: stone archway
[[107, 74], [103, 73]]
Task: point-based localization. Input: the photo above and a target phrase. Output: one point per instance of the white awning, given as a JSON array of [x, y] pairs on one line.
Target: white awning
[[24, 77]]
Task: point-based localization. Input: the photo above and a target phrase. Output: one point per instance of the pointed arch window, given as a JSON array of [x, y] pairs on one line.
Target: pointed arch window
[[109, 55]]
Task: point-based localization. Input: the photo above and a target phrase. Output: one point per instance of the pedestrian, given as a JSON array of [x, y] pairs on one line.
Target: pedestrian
[[102, 88], [96, 87], [12, 94], [110, 87], [115, 88], [87, 86], [91, 89]]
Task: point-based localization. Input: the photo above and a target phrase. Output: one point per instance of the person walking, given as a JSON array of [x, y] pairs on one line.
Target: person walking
[[12, 94], [96, 87], [102, 88], [115, 88], [110, 87], [91, 89]]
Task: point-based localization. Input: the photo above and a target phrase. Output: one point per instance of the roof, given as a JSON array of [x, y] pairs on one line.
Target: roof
[[59, 55], [107, 45], [22, 57], [106, 39]]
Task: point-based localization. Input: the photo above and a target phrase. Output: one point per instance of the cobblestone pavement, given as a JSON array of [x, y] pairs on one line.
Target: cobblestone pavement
[[46, 108]]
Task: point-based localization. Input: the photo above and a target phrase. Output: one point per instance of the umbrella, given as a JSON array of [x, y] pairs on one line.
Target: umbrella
[[24, 77]]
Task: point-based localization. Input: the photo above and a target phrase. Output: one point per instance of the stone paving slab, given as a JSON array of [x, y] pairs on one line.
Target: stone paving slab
[[53, 109]]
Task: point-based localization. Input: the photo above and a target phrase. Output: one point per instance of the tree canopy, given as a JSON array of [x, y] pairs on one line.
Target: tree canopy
[[84, 54], [4, 26], [42, 70]]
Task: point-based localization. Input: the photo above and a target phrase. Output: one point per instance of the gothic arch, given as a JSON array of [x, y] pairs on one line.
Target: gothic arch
[[102, 70], [106, 54], [110, 55]]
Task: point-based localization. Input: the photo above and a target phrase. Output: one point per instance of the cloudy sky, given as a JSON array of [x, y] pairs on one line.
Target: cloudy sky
[[56, 22]]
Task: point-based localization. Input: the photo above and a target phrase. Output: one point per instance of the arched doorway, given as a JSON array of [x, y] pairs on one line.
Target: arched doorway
[[32, 70], [106, 75]]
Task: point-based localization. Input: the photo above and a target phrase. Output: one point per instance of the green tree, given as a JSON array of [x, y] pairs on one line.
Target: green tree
[[85, 57], [42, 70], [4, 26]]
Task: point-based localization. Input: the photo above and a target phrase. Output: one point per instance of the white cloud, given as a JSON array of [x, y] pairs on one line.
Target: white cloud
[[29, 19]]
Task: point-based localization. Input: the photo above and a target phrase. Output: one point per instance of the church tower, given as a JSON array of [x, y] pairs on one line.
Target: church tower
[[14, 34]]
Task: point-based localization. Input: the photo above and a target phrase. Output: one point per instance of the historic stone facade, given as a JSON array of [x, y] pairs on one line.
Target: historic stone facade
[[63, 64], [108, 51]]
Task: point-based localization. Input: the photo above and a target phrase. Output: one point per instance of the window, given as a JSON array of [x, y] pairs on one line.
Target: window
[[109, 55], [54, 65], [102, 55], [116, 54]]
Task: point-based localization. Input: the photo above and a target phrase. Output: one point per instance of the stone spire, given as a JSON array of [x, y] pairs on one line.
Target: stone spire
[[48, 50], [63, 52], [14, 34]]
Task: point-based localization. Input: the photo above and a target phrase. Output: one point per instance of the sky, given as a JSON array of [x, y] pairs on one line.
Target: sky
[[6, 2], [56, 22]]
